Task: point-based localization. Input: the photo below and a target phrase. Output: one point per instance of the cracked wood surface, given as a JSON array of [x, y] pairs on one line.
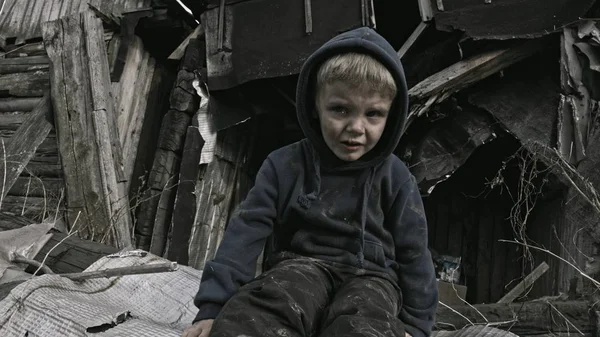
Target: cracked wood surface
[[86, 128]]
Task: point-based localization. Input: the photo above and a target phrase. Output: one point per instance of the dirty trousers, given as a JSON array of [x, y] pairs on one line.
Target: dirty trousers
[[309, 297]]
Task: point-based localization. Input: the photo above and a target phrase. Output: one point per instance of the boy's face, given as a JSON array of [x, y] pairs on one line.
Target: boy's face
[[352, 119]]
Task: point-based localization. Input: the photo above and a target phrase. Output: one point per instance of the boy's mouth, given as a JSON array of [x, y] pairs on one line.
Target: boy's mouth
[[351, 145]]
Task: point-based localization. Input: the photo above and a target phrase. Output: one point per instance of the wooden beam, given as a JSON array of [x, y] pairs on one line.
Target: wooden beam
[[177, 54], [86, 127], [185, 200], [14, 104], [458, 76], [412, 38], [525, 283], [25, 142], [31, 84], [23, 64], [527, 318]]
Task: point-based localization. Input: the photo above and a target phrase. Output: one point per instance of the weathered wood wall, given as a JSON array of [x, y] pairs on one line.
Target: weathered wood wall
[[23, 78], [21, 19]]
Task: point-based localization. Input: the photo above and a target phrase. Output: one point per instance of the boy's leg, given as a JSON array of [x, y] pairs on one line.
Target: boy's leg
[[286, 301], [364, 306]]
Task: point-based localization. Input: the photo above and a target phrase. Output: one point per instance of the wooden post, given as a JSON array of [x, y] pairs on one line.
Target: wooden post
[[86, 127]]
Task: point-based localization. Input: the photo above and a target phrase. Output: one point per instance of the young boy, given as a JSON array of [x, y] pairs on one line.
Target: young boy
[[347, 251]]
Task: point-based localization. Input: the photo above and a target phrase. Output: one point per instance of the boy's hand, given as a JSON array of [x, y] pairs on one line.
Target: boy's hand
[[406, 334], [199, 329]]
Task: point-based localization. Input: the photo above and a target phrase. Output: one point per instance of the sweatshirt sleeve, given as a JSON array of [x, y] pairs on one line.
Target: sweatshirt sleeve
[[243, 241], [416, 273]]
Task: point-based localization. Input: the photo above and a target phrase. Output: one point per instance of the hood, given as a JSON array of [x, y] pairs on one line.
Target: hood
[[361, 40]]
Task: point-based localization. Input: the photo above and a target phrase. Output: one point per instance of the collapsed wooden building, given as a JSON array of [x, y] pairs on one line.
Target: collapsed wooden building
[[140, 124]]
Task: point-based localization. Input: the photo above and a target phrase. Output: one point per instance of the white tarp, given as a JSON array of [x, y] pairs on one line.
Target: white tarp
[[136, 305]]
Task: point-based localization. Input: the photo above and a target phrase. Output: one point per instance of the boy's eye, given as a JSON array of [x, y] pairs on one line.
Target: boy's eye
[[339, 109], [375, 113]]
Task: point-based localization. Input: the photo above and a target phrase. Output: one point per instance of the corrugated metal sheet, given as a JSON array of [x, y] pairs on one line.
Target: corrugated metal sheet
[[20, 20]]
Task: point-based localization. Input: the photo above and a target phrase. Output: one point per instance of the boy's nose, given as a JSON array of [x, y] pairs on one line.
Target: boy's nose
[[355, 126]]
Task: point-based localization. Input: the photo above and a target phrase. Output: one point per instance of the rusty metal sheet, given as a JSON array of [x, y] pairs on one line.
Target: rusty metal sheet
[[507, 19]]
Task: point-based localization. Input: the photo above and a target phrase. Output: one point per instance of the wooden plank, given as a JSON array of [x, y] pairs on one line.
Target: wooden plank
[[87, 138], [25, 84], [44, 166], [460, 75], [185, 201], [30, 49], [25, 142], [73, 254], [23, 64], [412, 38], [177, 54], [527, 318], [127, 87], [524, 284], [15, 104], [131, 137]]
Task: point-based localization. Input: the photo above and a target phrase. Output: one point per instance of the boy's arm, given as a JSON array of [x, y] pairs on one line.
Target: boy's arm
[[416, 273], [245, 236]]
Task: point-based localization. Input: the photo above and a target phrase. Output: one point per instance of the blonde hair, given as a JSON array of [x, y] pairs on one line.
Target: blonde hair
[[361, 70]]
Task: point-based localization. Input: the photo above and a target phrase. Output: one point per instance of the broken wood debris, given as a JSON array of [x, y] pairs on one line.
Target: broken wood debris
[[443, 84]]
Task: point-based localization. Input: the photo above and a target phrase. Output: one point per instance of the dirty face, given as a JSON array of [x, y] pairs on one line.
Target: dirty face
[[352, 118]]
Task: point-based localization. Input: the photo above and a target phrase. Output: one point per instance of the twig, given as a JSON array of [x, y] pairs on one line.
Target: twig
[[56, 245], [566, 319], [465, 302], [596, 283], [456, 312], [31, 262], [3, 170], [122, 271]]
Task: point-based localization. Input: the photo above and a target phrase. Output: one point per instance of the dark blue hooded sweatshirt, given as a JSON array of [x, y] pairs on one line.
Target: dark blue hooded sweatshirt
[[367, 213]]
